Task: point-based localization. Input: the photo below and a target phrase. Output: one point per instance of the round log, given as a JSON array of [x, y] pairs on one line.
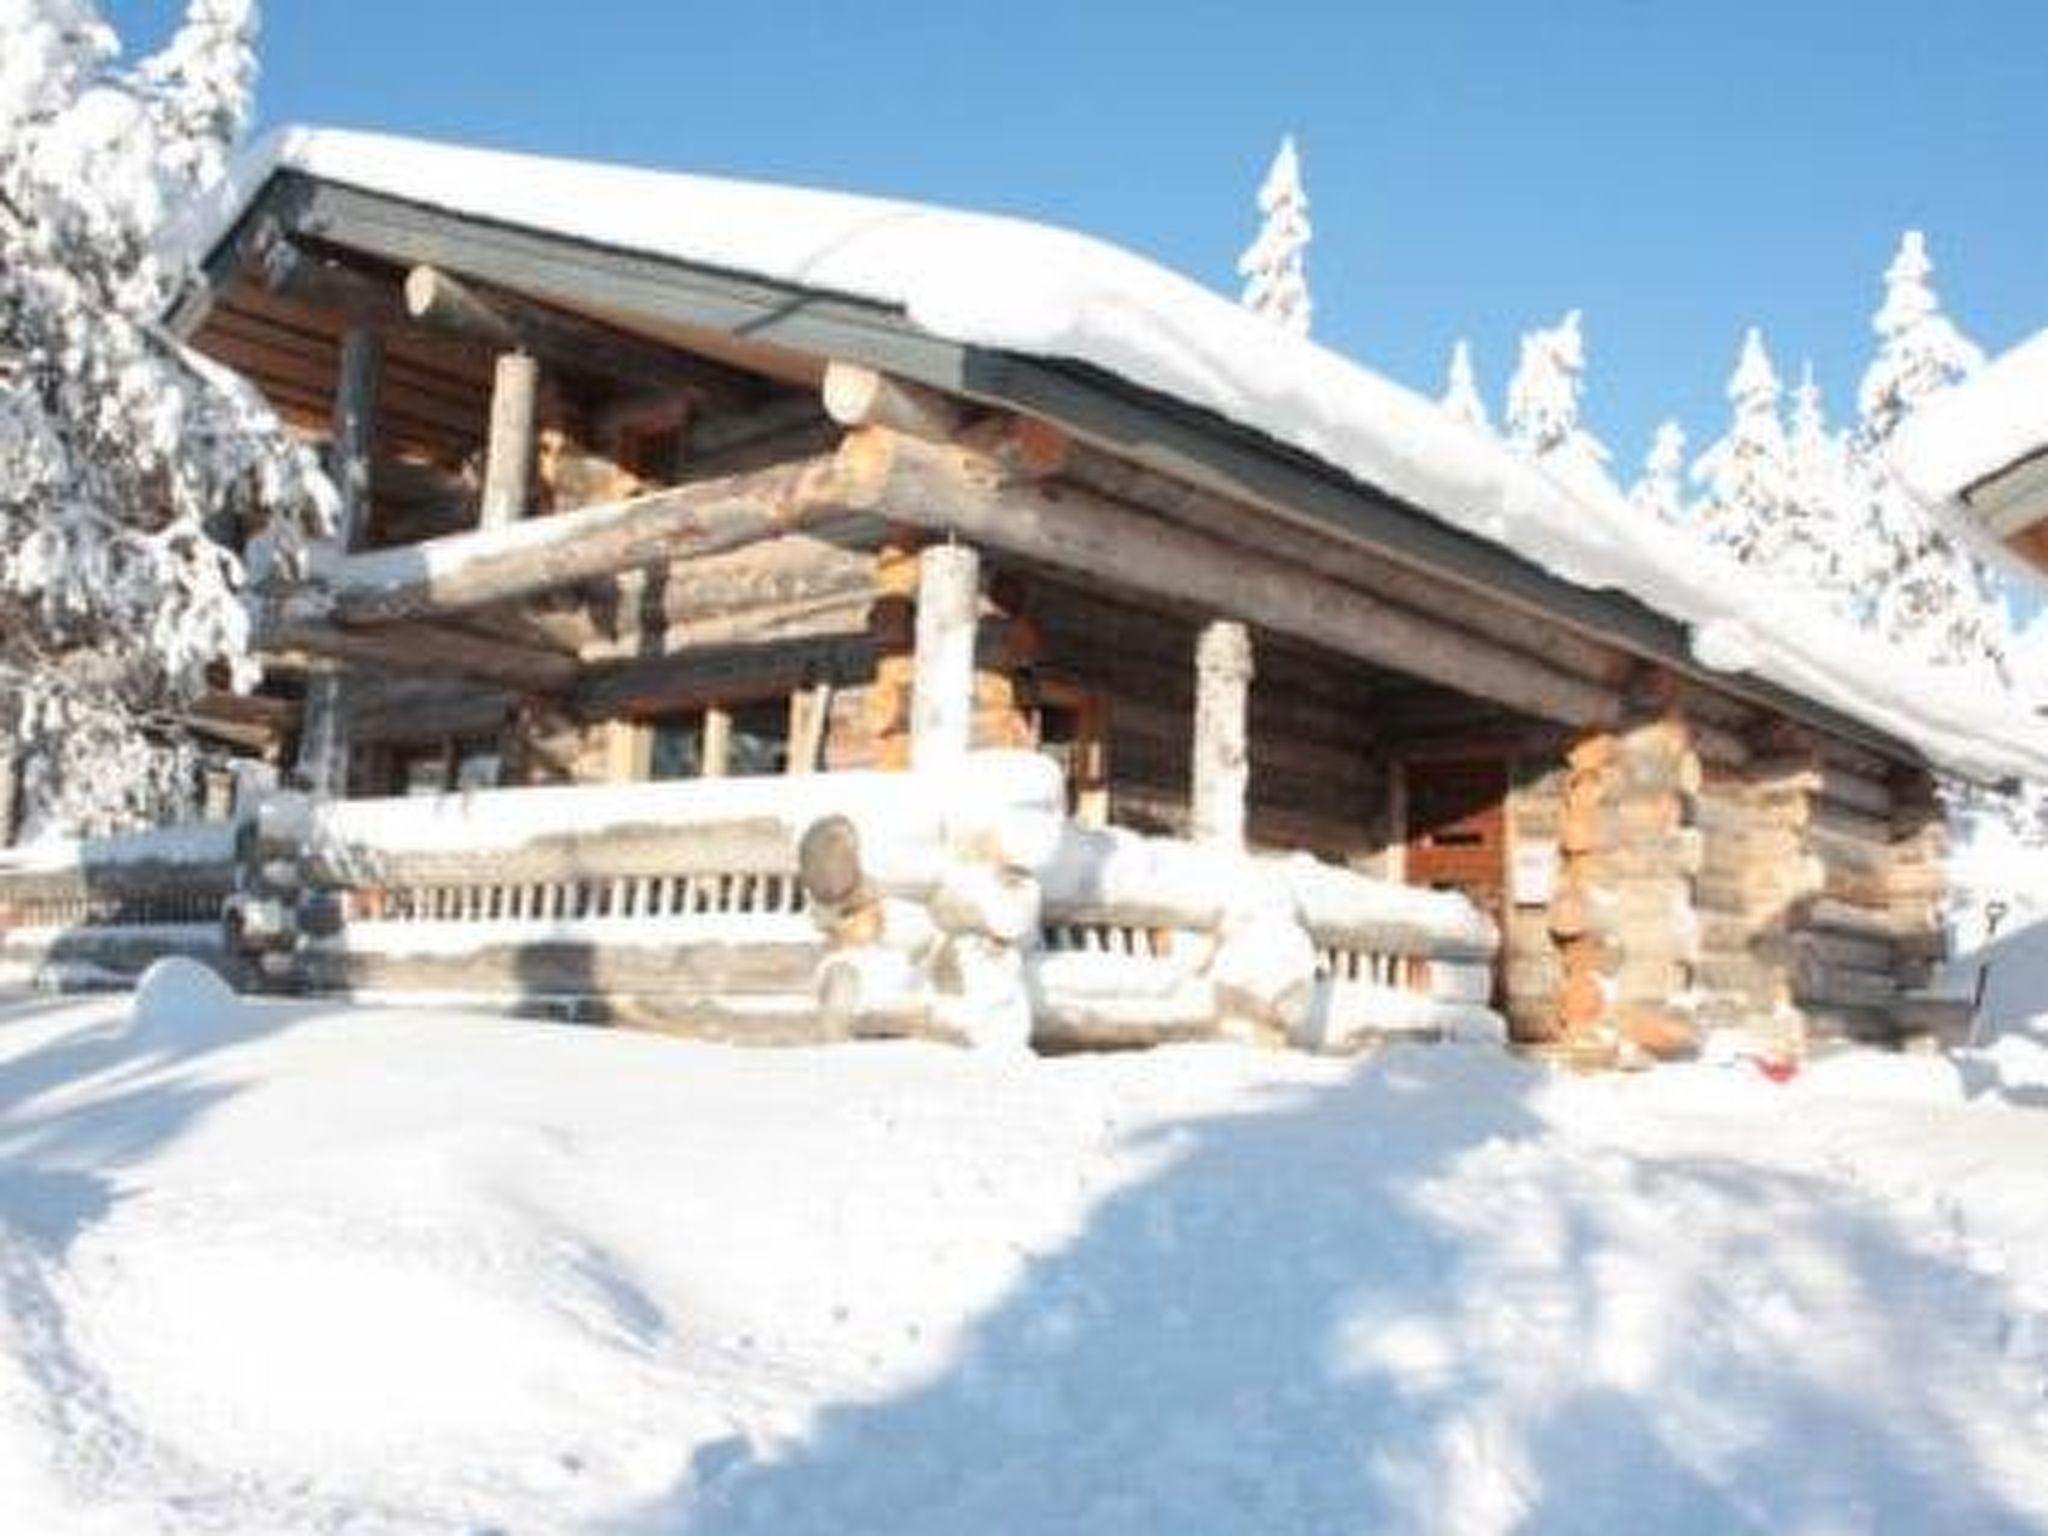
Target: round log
[[828, 862]]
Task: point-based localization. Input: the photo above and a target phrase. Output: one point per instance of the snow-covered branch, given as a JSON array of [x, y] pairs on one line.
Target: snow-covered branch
[[126, 461]]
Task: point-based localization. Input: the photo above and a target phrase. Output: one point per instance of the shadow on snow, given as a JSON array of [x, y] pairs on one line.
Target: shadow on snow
[[1382, 1306]]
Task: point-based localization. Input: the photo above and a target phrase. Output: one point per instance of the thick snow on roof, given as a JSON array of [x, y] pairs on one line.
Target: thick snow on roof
[[1031, 289], [1978, 428]]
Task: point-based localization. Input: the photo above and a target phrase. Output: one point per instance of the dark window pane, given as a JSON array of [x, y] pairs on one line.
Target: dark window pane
[[422, 772], [760, 736], [478, 765], [674, 748]]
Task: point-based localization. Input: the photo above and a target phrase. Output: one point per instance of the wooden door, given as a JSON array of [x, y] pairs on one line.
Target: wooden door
[[1457, 829]]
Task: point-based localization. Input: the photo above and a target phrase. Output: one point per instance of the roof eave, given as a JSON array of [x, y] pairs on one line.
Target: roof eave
[[1159, 432]]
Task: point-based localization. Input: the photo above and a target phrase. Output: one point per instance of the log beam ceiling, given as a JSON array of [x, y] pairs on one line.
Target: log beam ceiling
[[426, 298]]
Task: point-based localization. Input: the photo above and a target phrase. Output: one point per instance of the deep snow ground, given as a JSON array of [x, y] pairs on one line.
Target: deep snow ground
[[280, 1268]]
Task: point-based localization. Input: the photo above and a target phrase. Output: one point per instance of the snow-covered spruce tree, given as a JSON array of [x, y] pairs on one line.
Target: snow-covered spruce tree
[[1543, 405], [1661, 491], [1927, 595], [1933, 598], [1274, 266], [1461, 399], [122, 454], [1817, 464], [1748, 486]]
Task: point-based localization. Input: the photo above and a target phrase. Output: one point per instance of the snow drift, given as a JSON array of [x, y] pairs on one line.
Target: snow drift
[[401, 1272]]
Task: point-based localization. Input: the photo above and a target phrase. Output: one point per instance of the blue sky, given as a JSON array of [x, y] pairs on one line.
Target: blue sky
[[1678, 171]]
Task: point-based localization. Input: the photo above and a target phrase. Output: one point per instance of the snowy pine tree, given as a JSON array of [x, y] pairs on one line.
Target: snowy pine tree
[[1543, 404], [122, 453], [1748, 486], [1927, 594], [1661, 490], [1820, 514], [1461, 401], [1920, 352], [1274, 266]]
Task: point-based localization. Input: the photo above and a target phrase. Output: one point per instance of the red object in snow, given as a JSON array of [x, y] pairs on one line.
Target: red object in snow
[[1779, 1069]]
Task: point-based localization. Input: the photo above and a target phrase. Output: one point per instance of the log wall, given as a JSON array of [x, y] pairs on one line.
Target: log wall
[[1624, 916], [1820, 892]]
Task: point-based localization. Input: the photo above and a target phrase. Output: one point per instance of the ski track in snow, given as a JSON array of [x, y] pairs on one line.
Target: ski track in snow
[[278, 1268]]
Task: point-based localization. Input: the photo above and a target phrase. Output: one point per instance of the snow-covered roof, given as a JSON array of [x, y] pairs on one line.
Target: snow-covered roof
[[1984, 426], [1026, 288]]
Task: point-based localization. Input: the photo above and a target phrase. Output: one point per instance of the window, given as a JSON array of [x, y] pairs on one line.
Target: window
[[437, 767], [478, 765], [420, 770], [1071, 731], [675, 746], [760, 737], [718, 740]]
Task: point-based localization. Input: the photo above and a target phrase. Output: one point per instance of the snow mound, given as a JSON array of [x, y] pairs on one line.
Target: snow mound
[[399, 1271], [452, 1316], [181, 1002]]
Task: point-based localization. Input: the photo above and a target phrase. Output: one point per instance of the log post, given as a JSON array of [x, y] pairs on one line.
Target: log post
[[716, 753], [323, 731], [1221, 769], [10, 788], [508, 457], [942, 689]]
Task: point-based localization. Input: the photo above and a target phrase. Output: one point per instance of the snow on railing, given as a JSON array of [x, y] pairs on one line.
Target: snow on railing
[[100, 909], [1106, 937], [962, 903]]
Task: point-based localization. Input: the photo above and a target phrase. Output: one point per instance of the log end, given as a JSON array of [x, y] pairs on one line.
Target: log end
[[828, 862]]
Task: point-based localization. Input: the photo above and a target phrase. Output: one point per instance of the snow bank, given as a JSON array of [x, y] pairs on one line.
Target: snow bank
[[407, 1272], [180, 1002], [1027, 288]]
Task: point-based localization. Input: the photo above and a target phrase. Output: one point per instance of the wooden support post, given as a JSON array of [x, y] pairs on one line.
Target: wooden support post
[[810, 721], [323, 728], [1221, 769], [942, 692], [508, 458], [716, 752], [10, 789]]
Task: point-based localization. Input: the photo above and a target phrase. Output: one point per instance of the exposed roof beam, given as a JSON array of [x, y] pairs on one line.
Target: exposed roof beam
[[492, 565], [428, 648], [947, 489]]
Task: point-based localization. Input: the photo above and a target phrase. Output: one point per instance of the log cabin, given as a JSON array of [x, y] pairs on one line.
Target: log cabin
[[652, 479]]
